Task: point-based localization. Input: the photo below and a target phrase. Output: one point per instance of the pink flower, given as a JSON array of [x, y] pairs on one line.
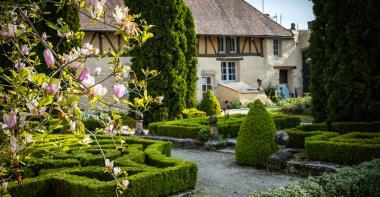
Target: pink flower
[[119, 90], [52, 88], [99, 90], [10, 120], [74, 65], [25, 49], [108, 164], [116, 170], [20, 66], [124, 184], [98, 71], [49, 58], [89, 82], [84, 74]]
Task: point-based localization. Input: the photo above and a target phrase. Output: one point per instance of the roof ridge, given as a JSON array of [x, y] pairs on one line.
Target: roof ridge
[[266, 16]]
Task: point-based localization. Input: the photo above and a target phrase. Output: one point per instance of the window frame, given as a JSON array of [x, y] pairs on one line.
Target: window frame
[[276, 48], [234, 45], [208, 86], [228, 75], [223, 49]]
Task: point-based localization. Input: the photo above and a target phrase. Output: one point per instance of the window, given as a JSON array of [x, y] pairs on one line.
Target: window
[[276, 47], [206, 84], [233, 45], [283, 76], [228, 71], [222, 44]]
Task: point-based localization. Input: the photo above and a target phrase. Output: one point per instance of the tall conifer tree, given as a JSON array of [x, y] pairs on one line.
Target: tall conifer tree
[[172, 52]]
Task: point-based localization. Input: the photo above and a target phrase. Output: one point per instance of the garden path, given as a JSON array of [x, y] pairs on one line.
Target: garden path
[[219, 175]]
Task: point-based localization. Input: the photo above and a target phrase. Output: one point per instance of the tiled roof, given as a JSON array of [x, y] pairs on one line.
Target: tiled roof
[[233, 17], [212, 17]]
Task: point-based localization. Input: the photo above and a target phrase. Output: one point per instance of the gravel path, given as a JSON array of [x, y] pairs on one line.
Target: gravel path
[[219, 175]]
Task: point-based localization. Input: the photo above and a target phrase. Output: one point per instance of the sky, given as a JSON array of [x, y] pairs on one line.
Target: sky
[[292, 11]]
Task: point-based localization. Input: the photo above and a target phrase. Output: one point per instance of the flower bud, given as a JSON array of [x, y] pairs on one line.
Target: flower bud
[[119, 90], [49, 58]]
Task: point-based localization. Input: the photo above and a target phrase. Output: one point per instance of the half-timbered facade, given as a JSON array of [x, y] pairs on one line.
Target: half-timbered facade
[[237, 46]]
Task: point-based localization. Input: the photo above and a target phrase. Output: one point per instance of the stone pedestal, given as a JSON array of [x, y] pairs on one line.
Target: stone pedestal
[[213, 127], [139, 127]]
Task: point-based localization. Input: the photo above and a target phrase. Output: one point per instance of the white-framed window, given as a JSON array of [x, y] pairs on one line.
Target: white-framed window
[[276, 48], [233, 45], [222, 44], [228, 71], [207, 84]]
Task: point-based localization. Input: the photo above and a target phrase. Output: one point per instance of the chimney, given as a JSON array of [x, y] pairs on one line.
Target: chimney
[[293, 26]]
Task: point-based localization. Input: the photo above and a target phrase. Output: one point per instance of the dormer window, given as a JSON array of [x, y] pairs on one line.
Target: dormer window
[[233, 45], [222, 44]]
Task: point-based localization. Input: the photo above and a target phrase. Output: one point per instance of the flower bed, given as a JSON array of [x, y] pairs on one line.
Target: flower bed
[[70, 170], [362, 180]]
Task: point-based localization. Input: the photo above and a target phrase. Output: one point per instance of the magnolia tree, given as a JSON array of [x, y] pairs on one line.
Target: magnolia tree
[[32, 99]]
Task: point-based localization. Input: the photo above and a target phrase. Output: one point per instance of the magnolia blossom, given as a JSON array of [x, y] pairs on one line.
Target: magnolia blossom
[[116, 170], [85, 73], [124, 184], [119, 90], [44, 36], [125, 130], [109, 130], [108, 164], [86, 140], [25, 49], [97, 8], [98, 71], [4, 185], [120, 14], [52, 88], [88, 49], [10, 120], [89, 82], [75, 105], [49, 58], [99, 90], [20, 66], [160, 99]]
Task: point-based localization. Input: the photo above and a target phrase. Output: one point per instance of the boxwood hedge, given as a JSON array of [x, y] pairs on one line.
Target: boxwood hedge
[[70, 170], [350, 148], [228, 125]]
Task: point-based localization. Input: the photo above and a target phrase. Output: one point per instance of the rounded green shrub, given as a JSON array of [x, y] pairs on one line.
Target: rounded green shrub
[[255, 141], [210, 104]]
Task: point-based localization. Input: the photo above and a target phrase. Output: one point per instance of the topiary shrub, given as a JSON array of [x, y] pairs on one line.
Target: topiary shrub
[[210, 104], [255, 141], [193, 113]]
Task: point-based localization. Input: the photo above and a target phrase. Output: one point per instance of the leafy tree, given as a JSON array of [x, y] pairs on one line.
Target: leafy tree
[[172, 52], [345, 60], [210, 104], [255, 141]]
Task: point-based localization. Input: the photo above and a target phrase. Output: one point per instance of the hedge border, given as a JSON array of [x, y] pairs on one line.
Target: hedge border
[[323, 147], [165, 176]]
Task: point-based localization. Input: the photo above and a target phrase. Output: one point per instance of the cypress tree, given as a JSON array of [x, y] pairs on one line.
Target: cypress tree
[[349, 64], [318, 64], [172, 52]]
